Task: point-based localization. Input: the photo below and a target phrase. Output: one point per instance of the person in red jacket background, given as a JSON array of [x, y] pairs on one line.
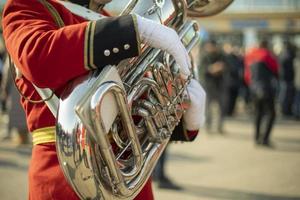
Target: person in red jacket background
[[261, 72], [51, 46]]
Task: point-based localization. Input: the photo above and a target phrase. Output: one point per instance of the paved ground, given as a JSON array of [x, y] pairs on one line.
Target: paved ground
[[213, 167], [232, 167]]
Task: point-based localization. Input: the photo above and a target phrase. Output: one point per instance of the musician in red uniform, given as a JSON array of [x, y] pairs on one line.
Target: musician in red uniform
[[50, 46]]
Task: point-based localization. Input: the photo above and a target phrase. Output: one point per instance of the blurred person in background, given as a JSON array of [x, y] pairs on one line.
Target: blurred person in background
[[261, 74], [16, 115], [160, 176], [232, 78], [286, 77], [2, 55], [296, 106], [244, 91], [1, 76], [2, 59], [213, 64]]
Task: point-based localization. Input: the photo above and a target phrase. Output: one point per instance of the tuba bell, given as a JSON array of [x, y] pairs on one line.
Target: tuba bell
[[113, 125]]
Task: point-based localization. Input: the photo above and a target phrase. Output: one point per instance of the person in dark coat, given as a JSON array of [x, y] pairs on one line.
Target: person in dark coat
[[286, 77], [213, 63], [261, 73], [232, 78], [296, 105]]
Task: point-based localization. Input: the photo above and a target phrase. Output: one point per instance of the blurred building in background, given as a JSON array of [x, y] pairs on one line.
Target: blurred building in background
[[245, 21]]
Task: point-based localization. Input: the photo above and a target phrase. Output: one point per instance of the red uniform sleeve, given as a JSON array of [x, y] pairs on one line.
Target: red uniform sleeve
[[46, 54], [49, 56]]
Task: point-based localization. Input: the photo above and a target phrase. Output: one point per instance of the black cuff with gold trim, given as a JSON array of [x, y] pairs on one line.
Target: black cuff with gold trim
[[110, 40]]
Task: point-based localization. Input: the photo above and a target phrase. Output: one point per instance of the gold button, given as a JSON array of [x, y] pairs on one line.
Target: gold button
[[107, 52], [126, 46], [115, 50]]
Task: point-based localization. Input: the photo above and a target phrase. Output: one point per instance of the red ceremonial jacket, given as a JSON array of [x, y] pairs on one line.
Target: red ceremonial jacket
[[49, 56]]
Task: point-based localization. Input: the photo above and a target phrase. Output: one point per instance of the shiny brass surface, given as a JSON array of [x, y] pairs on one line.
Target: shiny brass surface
[[205, 8], [113, 125]]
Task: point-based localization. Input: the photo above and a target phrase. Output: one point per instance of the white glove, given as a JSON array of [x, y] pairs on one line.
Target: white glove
[[194, 117], [165, 38]]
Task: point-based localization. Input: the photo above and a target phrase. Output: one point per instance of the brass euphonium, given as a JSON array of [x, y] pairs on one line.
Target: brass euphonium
[[113, 125]]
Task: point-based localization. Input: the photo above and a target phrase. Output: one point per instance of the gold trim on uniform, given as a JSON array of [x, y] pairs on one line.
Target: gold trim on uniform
[[58, 20], [137, 33], [60, 23], [86, 46], [43, 135], [89, 46], [92, 35]]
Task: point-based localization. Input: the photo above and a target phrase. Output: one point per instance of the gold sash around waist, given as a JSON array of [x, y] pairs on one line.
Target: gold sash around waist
[[43, 135]]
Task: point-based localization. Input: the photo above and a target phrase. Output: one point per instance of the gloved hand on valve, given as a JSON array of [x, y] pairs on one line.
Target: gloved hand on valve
[[194, 117], [165, 38]]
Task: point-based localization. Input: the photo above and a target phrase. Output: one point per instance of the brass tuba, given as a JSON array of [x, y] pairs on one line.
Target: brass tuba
[[113, 125]]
